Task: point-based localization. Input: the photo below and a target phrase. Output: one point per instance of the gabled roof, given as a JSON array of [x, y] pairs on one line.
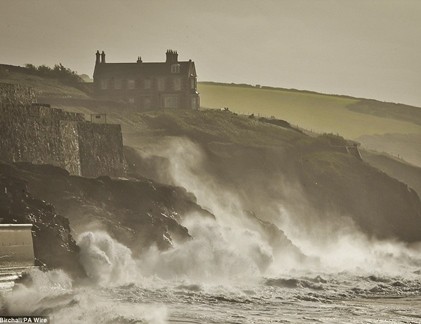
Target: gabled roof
[[116, 68], [142, 69]]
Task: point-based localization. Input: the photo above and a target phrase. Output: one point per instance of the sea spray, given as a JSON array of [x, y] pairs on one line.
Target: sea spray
[[342, 246], [216, 297], [187, 168], [109, 265], [330, 242], [106, 261], [216, 253]]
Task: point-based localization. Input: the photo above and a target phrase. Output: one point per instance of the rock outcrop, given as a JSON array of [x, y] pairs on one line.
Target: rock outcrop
[[136, 212]]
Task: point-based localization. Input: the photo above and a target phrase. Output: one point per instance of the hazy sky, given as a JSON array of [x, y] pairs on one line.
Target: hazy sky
[[366, 48]]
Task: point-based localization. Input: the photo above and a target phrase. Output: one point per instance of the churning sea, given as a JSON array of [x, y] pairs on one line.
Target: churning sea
[[119, 294]]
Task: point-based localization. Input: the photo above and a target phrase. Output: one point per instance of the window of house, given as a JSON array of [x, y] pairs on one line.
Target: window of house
[[104, 84], [118, 83], [171, 102], [175, 68], [147, 83], [161, 84], [131, 84], [177, 84], [192, 83]]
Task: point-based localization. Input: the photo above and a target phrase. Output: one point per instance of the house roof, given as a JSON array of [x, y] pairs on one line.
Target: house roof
[[142, 69]]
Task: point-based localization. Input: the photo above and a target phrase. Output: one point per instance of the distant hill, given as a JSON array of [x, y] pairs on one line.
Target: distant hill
[[348, 116]]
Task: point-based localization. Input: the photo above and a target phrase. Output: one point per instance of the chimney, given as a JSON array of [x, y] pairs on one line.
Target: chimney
[[97, 57], [139, 59], [172, 56], [102, 57]]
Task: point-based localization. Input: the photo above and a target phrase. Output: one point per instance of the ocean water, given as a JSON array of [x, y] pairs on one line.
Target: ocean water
[[340, 298], [121, 289], [311, 298]]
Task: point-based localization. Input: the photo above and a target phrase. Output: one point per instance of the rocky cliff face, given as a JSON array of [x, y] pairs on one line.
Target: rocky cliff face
[[136, 212], [54, 246]]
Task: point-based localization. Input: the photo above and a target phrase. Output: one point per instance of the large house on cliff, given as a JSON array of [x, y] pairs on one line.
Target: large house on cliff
[[169, 84]]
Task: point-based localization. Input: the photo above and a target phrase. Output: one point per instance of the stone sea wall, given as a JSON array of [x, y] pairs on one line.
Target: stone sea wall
[[43, 135], [101, 149], [16, 94]]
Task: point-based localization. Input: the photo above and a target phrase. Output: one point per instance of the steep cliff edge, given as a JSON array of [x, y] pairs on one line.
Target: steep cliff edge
[[395, 167]]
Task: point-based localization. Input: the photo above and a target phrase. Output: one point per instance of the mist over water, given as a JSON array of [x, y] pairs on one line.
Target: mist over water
[[294, 266]]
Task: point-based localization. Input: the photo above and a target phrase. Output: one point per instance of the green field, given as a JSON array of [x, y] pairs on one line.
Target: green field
[[312, 111]]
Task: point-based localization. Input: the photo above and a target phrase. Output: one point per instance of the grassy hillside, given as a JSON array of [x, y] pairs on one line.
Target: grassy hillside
[[350, 117], [46, 87]]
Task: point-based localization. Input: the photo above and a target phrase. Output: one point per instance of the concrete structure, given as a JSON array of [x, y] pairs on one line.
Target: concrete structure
[[16, 246], [169, 84], [43, 135]]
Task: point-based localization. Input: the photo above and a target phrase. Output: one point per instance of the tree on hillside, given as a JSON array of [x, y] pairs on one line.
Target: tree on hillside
[[58, 72]]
